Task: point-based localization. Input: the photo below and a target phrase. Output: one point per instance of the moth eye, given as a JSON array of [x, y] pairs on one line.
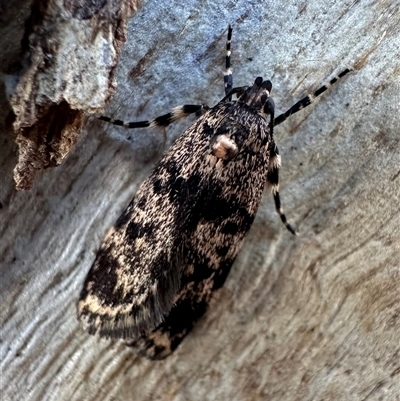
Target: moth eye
[[264, 98], [267, 85], [269, 106]]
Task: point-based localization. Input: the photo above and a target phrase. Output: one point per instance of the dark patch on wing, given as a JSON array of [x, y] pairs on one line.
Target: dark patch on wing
[[223, 250], [227, 211], [125, 216], [184, 192], [157, 185], [229, 227], [207, 130], [246, 219], [135, 230], [170, 166], [202, 271], [102, 278], [217, 209], [222, 273], [141, 203]]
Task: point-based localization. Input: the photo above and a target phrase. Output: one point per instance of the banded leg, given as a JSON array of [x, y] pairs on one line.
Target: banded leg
[[163, 121], [309, 98], [273, 178], [228, 80]]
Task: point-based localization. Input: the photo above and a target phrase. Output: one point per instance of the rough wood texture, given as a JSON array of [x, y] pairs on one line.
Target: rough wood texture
[[310, 318], [69, 52]]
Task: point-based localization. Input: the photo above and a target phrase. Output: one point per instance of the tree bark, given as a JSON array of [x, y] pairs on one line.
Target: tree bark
[[68, 55], [315, 317]]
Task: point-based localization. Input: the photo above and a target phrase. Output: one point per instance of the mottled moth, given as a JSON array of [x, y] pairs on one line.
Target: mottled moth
[[171, 250]]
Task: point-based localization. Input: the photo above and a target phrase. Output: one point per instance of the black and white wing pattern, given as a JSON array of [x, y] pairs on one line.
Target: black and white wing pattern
[[173, 247]]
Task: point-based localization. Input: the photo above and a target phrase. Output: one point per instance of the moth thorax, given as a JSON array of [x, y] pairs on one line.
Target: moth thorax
[[224, 147]]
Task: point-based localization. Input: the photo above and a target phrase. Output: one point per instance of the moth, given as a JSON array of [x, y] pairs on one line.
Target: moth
[[171, 250]]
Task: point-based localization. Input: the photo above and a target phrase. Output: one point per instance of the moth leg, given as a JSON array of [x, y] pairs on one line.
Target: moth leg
[[228, 80], [273, 178], [309, 98], [163, 121]]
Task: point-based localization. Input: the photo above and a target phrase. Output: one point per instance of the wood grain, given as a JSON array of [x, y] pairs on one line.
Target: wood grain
[[311, 318]]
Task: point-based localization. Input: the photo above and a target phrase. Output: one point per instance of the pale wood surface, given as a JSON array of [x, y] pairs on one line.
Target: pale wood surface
[[310, 318]]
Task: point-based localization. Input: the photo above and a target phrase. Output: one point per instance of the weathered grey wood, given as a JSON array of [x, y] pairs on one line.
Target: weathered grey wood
[[310, 318]]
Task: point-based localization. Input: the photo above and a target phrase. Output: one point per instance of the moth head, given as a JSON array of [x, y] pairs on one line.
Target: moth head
[[258, 97]]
